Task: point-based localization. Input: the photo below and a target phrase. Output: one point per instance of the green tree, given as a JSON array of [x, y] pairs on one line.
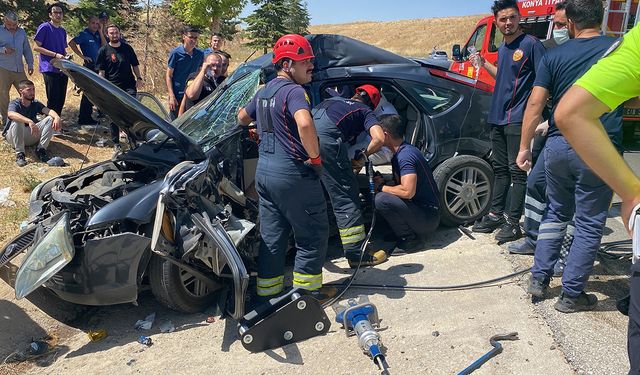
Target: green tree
[[267, 23], [216, 15], [298, 20], [123, 13], [30, 12]]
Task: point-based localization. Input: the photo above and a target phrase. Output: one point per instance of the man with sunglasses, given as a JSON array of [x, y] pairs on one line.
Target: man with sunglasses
[[183, 60], [339, 121]]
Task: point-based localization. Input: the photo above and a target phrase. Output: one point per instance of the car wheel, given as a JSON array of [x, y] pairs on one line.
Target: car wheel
[[465, 185], [178, 289]]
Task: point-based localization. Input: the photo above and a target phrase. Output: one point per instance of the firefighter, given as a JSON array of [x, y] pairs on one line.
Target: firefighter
[[339, 121], [288, 174]]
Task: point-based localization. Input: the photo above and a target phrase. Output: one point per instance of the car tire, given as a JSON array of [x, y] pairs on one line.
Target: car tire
[[465, 188], [177, 289]]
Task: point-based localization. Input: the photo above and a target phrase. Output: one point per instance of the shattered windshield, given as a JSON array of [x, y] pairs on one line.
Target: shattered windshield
[[206, 122]]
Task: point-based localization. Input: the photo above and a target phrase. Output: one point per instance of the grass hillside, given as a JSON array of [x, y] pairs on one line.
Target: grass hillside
[[408, 37]]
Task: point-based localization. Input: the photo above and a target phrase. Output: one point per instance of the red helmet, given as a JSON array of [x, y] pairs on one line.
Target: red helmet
[[292, 46], [372, 94]]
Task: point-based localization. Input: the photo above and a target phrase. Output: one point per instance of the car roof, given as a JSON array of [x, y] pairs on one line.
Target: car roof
[[339, 51]]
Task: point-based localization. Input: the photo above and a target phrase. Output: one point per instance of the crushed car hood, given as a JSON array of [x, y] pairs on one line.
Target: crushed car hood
[[124, 110]]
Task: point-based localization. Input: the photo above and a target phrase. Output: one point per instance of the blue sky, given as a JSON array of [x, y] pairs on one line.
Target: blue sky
[[341, 11]]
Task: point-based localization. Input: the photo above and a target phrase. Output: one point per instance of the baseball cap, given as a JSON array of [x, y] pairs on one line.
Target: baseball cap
[[103, 15]]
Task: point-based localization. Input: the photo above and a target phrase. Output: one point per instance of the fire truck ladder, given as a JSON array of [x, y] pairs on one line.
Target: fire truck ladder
[[619, 29]]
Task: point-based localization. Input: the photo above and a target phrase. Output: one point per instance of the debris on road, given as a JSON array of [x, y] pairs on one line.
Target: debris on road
[[97, 335], [4, 198], [145, 324], [167, 327], [144, 340]]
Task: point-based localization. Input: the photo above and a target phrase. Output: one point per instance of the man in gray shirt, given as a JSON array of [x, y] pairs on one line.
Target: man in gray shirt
[[13, 46]]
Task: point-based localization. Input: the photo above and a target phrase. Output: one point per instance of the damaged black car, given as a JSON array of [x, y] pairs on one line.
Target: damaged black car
[[178, 211]]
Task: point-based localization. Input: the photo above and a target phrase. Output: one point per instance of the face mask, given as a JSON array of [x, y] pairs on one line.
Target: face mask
[[561, 35]]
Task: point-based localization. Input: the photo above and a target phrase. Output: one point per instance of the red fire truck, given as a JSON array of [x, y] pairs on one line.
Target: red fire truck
[[537, 20]]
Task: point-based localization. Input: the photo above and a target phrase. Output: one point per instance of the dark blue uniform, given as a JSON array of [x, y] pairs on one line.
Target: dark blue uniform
[[418, 216], [291, 196], [338, 122], [516, 72], [571, 185], [89, 44]]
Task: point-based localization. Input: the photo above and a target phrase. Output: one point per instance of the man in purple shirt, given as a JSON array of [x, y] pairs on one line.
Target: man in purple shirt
[[51, 43]]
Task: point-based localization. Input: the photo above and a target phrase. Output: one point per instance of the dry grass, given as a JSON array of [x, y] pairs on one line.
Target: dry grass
[[412, 38], [409, 37]]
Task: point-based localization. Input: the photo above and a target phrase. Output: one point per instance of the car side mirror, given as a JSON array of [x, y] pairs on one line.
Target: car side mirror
[[455, 52]]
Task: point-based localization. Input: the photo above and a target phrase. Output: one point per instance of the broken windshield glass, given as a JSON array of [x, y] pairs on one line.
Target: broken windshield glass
[[206, 122]]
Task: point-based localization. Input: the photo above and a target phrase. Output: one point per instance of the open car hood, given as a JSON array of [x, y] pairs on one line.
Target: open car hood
[[124, 110]]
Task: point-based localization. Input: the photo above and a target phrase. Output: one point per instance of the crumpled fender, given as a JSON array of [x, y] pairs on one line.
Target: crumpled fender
[[137, 206]]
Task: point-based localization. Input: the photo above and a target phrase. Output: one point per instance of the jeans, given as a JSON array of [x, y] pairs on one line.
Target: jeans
[[505, 144], [56, 87], [571, 188], [406, 219]]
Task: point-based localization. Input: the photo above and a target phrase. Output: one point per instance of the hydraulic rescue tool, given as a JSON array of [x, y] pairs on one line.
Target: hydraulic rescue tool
[[291, 318], [497, 349], [360, 318]]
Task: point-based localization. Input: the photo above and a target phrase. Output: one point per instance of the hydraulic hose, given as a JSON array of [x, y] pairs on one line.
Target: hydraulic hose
[[440, 288]]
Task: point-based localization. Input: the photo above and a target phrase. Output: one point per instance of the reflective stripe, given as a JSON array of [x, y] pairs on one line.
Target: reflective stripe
[[307, 281], [552, 226], [352, 230], [531, 201], [270, 282], [346, 240], [352, 234], [532, 215], [269, 287], [550, 236], [263, 292]]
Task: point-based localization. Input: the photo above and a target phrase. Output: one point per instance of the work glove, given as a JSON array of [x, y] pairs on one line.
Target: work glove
[[315, 164], [358, 161]]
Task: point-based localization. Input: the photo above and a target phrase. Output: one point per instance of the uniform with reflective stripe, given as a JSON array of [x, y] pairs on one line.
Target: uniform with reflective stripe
[[291, 196], [339, 180]]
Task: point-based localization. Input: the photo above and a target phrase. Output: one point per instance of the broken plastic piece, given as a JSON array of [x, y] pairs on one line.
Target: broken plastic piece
[[147, 323]]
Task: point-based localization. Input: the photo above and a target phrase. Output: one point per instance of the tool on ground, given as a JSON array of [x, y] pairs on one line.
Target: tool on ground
[[360, 318], [284, 320], [497, 349]]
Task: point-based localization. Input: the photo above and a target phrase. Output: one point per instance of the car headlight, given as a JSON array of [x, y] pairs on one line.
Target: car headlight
[[49, 256]]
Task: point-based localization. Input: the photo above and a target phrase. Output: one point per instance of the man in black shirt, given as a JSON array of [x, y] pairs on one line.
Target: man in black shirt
[[201, 83], [23, 127], [117, 62]]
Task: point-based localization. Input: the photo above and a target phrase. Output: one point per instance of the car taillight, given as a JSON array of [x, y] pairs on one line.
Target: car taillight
[[461, 79]]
